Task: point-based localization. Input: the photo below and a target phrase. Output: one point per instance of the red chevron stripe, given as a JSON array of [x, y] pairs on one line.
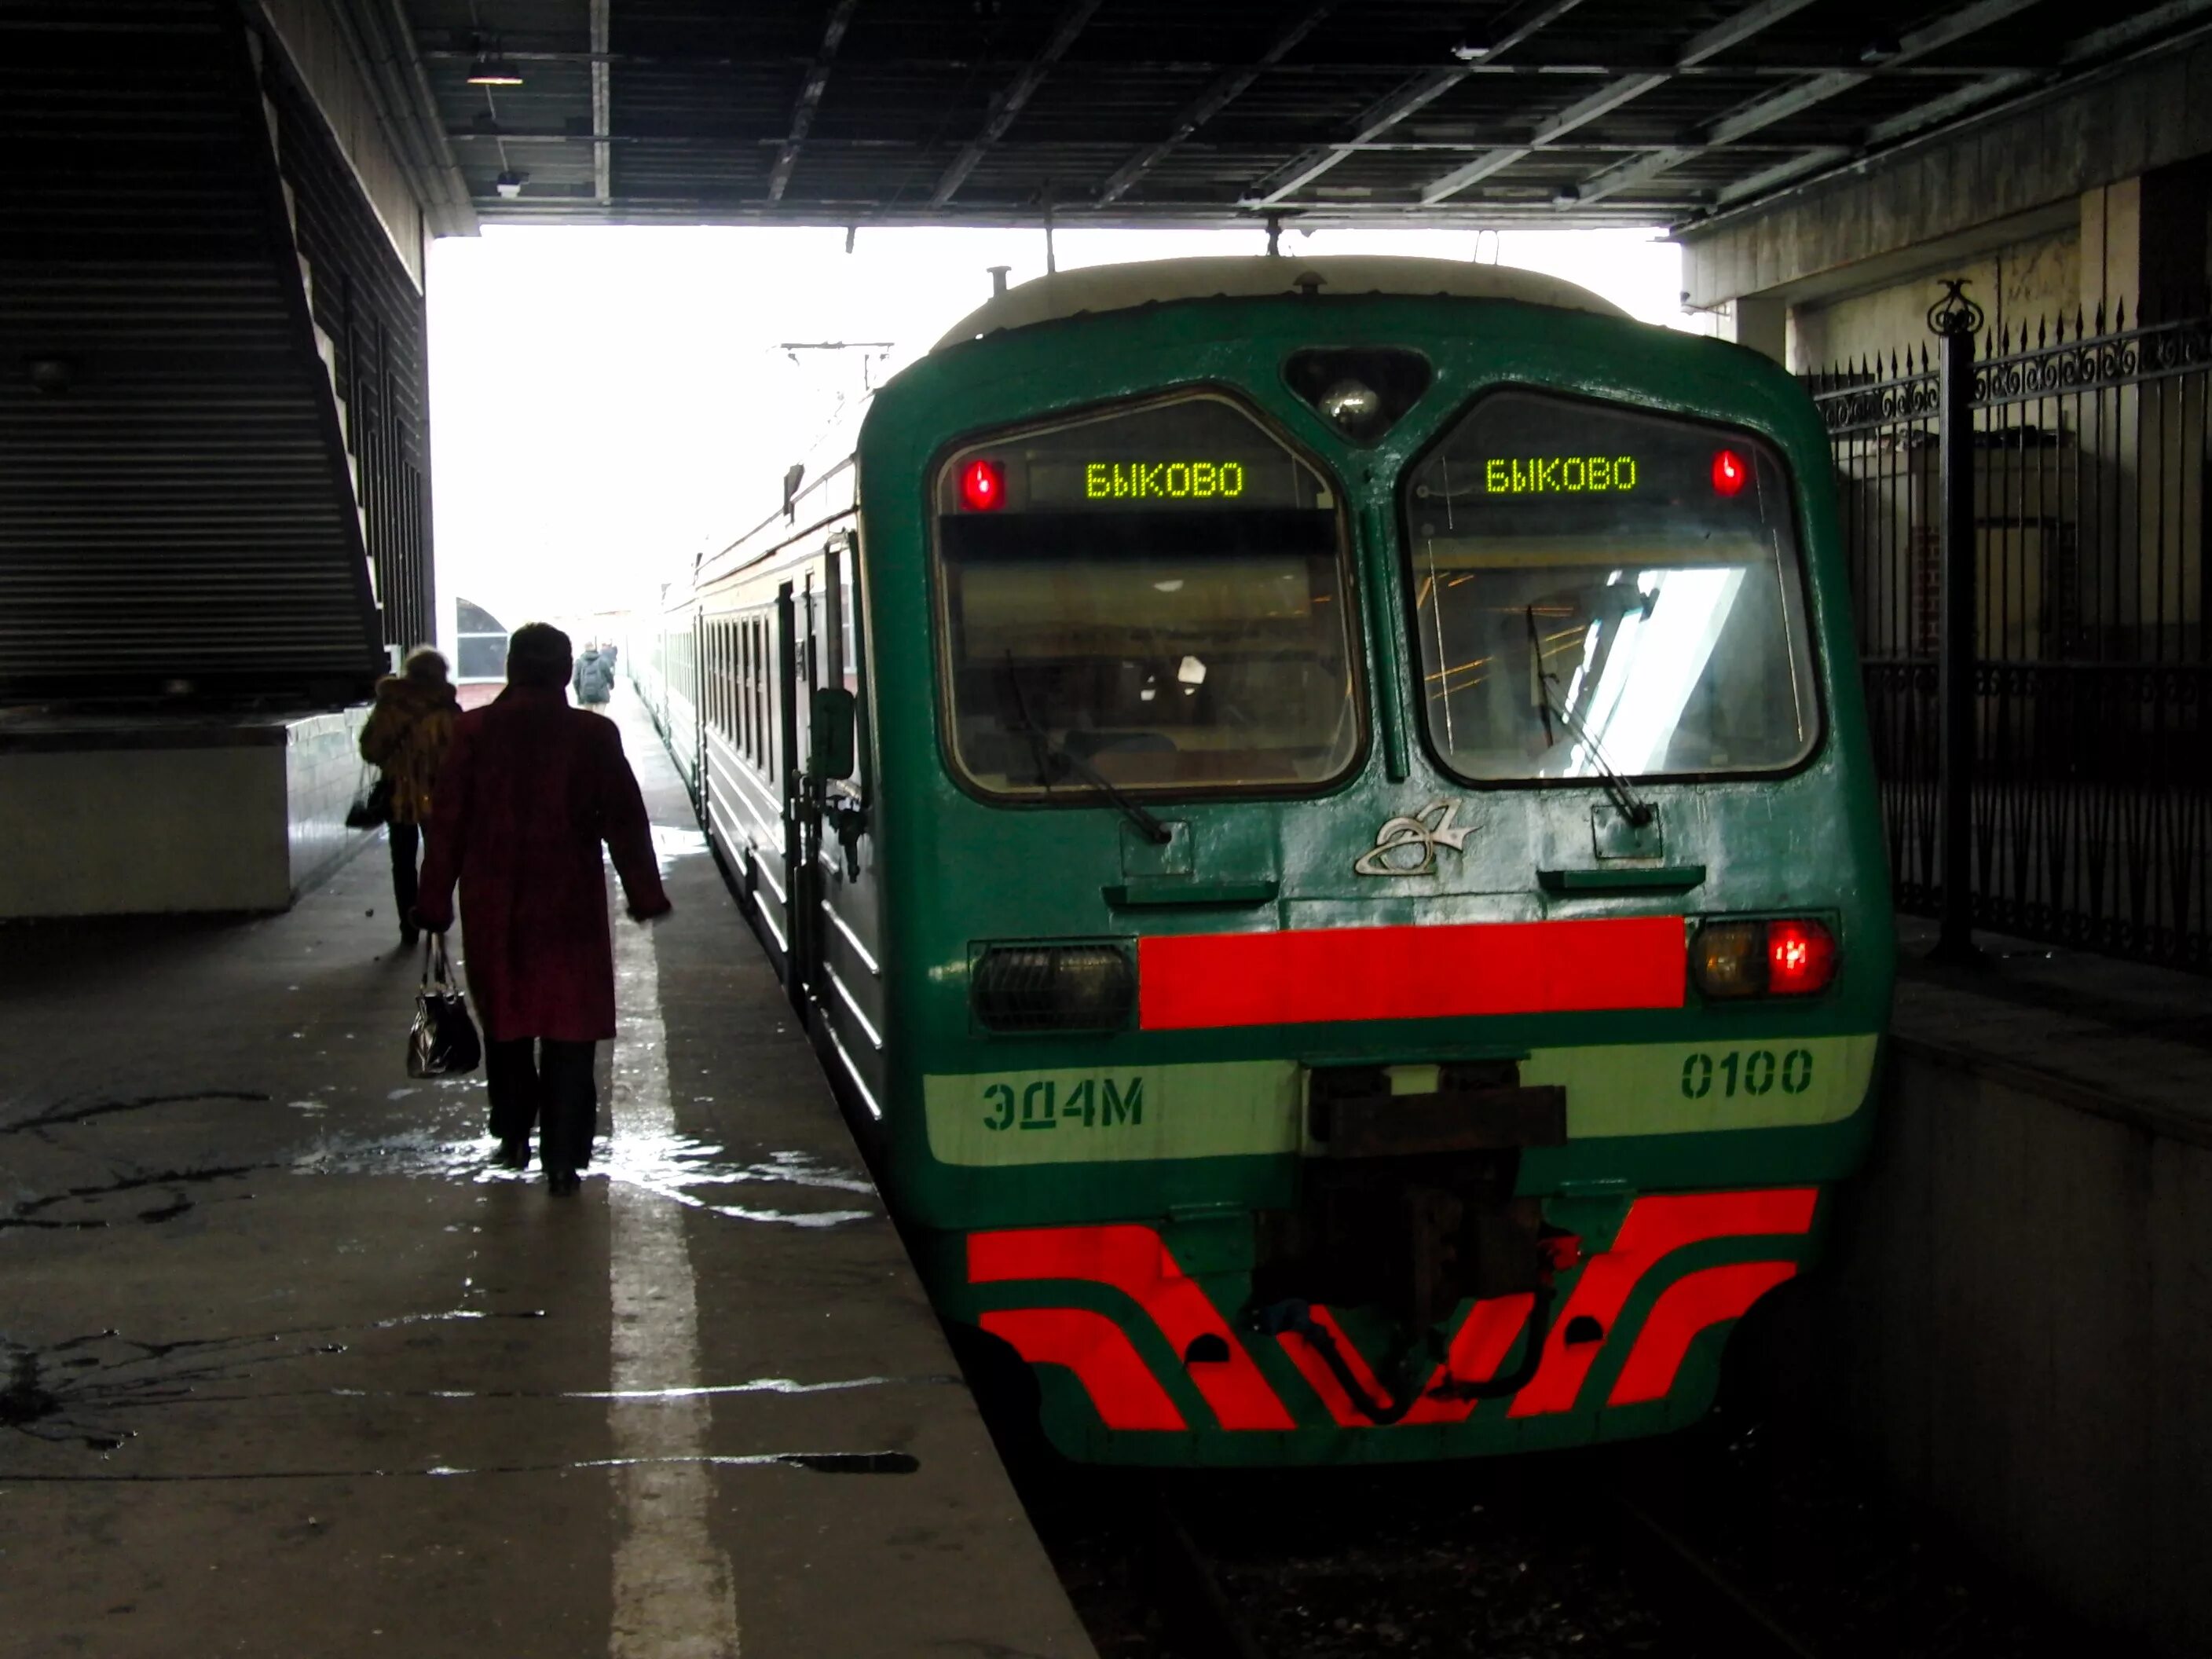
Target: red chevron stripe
[[1655, 1226], [1099, 1353], [1133, 1260], [1691, 1304]]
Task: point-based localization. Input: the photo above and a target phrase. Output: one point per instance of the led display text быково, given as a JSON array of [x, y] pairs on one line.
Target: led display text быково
[[1559, 475], [1162, 480]]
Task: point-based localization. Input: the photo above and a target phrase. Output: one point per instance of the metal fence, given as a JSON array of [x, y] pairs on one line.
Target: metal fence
[[2078, 676]]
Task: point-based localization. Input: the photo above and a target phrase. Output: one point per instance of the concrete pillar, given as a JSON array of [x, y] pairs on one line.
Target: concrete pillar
[[2147, 243], [1762, 325]]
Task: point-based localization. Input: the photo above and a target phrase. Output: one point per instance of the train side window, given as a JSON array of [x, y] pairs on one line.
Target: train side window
[[1599, 590], [1163, 592], [761, 668], [852, 665]]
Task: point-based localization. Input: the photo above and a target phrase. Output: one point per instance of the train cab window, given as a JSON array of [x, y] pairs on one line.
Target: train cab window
[[1601, 590], [1157, 597]]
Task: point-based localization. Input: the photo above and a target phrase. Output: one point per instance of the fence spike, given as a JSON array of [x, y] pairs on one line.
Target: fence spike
[[2100, 316], [2120, 316]]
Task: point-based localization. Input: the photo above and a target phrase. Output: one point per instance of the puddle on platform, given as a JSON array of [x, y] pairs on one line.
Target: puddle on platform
[[783, 1385], [861, 1462], [675, 1167], [671, 843], [67, 1393]]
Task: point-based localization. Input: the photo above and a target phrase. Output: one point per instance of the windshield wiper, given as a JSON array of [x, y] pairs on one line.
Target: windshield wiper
[[1632, 806], [1055, 762]]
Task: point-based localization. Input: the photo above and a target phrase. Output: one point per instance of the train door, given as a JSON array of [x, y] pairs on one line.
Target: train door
[[790, 676], [844, 925], [699, 679], [811, 618]]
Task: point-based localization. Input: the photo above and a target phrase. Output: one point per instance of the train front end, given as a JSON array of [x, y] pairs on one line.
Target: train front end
[[1387, 928]]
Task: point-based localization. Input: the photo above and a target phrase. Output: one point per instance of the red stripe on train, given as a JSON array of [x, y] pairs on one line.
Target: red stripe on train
[[1192, 981]]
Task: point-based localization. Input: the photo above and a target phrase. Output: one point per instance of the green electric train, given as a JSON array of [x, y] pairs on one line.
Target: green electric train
[[1320, 815]]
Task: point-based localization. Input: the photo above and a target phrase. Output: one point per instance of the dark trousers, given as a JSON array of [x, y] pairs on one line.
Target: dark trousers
[[548, 1084], [406, 840]]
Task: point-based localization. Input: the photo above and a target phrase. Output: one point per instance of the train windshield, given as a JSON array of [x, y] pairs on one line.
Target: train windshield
[[1155, 599], [1599, 591]]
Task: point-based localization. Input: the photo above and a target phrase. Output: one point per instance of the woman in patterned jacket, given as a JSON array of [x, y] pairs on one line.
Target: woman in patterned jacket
[[406, 737]]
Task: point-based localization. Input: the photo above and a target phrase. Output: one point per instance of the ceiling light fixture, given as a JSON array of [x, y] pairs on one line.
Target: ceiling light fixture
[[509, 183], [491, 68]]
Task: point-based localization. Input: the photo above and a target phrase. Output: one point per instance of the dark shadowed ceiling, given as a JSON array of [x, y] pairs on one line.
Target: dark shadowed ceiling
[[1567, 112]]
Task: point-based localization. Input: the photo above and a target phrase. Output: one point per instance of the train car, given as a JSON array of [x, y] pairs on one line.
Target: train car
[[1320, 816], [660, 654]]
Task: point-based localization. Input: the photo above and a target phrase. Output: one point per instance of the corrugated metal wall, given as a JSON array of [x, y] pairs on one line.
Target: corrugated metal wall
[[179, 507], [371, 317]]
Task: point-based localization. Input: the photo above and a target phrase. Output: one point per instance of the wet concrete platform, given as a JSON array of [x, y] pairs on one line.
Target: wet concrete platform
[[285, 1368]]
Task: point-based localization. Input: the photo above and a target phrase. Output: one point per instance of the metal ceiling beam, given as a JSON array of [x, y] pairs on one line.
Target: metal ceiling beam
[[1763, 112], [818, 145], [1229, 87], [1008, 104], [1731, 31], [810, 98], [1334, 67], [2085, 49], [602, 158], [382, 45], [1517, 24]]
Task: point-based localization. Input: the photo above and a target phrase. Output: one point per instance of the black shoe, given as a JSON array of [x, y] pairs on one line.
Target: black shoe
[[563, 1182], [513, 1154], [408, 937]]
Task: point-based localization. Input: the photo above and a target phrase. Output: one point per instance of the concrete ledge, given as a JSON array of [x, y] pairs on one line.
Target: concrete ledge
[[2016, 1321], [130, 816]]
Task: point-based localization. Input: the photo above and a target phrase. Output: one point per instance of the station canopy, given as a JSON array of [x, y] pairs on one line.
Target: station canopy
[[1413, 112]]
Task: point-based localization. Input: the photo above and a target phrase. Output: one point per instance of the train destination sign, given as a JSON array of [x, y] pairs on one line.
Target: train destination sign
[[1188, 480], [1559, 475]]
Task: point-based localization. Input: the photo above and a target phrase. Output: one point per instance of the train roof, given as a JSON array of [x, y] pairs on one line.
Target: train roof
[[1123, 287]]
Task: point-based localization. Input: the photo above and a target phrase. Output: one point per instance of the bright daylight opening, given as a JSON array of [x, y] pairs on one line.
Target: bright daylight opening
[[607, 404]]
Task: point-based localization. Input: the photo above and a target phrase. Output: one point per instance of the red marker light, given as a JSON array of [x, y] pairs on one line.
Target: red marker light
[[1728, 472], [1801, 957], [983, 486]]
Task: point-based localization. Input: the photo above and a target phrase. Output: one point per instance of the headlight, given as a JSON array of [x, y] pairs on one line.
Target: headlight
[[1053, 988]]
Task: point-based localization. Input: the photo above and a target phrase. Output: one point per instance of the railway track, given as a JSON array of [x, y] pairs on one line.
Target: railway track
[[1695, 1605]]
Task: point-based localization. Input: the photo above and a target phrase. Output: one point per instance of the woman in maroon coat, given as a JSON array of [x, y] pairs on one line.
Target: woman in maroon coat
[[529, 788]]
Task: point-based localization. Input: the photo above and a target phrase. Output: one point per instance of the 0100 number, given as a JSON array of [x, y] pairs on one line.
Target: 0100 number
[[1752, 1073]]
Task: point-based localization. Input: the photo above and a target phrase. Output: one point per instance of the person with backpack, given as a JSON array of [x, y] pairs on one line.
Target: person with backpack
[[594, 679]]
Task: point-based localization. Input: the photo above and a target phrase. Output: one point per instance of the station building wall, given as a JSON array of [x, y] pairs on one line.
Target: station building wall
[[2021, 284]]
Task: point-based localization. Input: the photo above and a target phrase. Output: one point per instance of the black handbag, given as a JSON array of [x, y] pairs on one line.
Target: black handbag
[[371, 802], [444, 1041]]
